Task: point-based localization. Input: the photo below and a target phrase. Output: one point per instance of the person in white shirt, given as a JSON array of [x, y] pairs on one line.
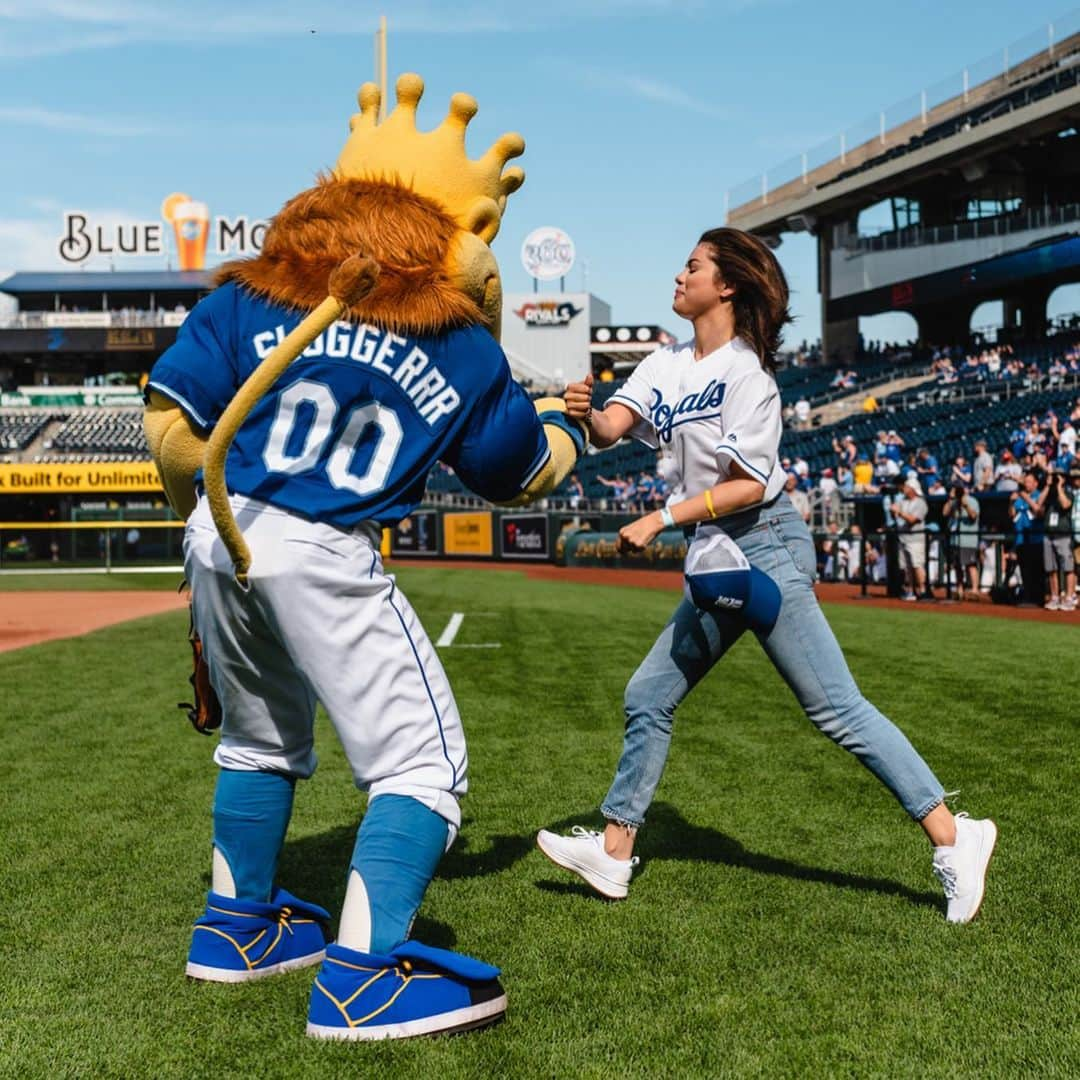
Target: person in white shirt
[[714, 400], [799, 499], [1008, 473], [830, 499], [910, 516], [982, 467]]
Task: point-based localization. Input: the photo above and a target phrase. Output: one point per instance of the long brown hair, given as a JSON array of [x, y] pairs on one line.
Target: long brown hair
[[761, 290]]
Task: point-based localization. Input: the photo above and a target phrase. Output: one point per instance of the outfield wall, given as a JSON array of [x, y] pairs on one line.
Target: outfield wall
[[113, 535]]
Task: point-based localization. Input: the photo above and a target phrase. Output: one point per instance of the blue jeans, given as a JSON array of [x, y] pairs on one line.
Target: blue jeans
[[803, 650]]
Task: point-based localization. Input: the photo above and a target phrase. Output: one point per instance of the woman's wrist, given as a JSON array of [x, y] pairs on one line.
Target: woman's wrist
[[667, 518]]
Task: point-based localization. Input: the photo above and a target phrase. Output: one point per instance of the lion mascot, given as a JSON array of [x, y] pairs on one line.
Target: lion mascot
[[297, 415]]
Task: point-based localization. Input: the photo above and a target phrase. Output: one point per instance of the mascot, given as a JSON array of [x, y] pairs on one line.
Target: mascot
[[299, 413]]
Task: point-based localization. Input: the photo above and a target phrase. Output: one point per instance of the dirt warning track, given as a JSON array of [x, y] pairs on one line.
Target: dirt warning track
[[672, 581], [29, 618]]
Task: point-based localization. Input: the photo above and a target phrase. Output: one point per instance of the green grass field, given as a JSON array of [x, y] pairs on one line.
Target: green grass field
[[785, 921]]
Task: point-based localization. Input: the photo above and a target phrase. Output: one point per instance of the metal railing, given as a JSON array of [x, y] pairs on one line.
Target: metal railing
[[1037, 53], [51, 320], [1006, 569], [977, 228], [1000, 390]]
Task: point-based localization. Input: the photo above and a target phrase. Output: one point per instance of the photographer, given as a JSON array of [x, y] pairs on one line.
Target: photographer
[[961, 513], [1025, 509], [1056, 502]]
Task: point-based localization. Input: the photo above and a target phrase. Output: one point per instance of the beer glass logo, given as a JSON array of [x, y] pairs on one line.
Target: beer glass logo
[[191, 224]]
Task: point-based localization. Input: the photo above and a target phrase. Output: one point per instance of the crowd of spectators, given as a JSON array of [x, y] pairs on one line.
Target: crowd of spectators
[[999, 363], [1036, 470], [635, 493]]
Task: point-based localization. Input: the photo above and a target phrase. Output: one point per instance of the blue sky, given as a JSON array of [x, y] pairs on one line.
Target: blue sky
[[637, 115]]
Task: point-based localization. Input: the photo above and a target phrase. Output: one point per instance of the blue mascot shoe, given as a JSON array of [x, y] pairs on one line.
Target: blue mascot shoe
[[414, 990], [238, 940]]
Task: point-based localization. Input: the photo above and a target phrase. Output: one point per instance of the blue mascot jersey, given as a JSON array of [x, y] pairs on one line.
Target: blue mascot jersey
[[351, 429]]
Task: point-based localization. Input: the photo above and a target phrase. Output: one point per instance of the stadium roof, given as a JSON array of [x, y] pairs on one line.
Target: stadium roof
[[83, 281], [1032, 98]]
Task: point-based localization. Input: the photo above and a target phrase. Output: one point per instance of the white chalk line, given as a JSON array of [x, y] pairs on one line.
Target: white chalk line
[[450, 631], [446, 638]]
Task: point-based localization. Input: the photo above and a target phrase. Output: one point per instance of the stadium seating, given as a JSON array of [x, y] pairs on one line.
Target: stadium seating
[[946, 428], [103, 434], [20, 427], [940, 417]]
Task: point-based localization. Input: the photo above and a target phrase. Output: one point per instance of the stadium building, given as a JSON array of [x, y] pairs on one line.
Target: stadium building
[[980, 178]]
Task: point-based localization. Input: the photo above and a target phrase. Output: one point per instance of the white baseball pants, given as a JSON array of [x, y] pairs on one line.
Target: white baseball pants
[[321, 621]]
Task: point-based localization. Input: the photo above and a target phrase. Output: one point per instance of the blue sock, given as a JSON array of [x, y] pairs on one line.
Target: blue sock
[[398, 846], [251, 814]]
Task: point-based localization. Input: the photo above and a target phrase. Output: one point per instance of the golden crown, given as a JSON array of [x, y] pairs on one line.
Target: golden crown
[[432, 163]]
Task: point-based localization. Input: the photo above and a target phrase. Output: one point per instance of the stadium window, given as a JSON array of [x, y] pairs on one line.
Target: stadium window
[[905, 212], [877, 219], [990, 208]]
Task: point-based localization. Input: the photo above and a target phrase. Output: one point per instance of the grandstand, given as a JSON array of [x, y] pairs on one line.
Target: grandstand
[[98, 434], [944, 417], [978, 178], [20, 427]]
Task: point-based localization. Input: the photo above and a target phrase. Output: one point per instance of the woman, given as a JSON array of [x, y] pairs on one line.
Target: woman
[[713, 401]]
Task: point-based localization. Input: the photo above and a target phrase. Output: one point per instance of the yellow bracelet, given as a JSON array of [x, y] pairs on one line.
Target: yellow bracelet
[[709, 503]]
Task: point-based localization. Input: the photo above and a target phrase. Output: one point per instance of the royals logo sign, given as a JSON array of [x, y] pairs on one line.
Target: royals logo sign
[[547, 313]]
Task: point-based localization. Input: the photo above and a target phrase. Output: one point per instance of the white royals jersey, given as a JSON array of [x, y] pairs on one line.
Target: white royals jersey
[[707, 414]]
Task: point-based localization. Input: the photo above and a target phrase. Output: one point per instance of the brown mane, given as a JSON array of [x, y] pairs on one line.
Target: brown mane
[[408, 235]]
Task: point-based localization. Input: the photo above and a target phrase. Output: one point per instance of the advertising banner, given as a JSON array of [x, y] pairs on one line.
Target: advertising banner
[[468, 534], [74, 395], [59, 479], [418, 534], [524, 536], [82, 340], [585, 547], [547, 335], [77, 318], [186, 229]]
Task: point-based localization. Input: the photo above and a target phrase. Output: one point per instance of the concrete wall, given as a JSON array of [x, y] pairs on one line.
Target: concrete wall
[[858, 271], [550, 333]]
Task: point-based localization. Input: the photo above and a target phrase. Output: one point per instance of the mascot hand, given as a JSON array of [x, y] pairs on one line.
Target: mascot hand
[[177, 449]]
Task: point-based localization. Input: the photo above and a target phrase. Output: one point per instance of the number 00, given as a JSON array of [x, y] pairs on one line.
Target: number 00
[[277, 458]]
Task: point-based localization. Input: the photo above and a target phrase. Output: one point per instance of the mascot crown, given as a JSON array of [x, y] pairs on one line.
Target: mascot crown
[[432, 163]]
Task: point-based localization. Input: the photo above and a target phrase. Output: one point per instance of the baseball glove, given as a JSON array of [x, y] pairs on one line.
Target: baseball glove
[[205, 712]]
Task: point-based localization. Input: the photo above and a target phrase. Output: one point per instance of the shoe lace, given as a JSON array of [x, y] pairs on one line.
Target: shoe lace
[[585, 834], [284, 915], [580, 832], [945, 872]]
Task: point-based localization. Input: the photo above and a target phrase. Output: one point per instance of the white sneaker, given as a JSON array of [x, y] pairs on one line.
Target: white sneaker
[[1068, 605], [961, 869], [583, 853], [1053, 604]]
